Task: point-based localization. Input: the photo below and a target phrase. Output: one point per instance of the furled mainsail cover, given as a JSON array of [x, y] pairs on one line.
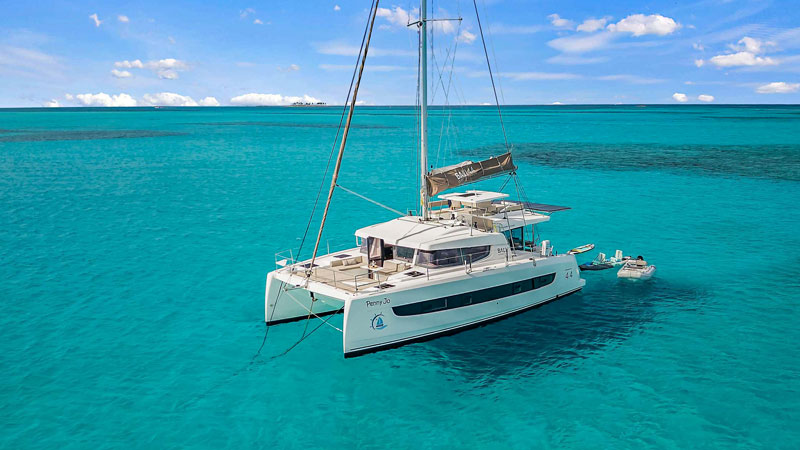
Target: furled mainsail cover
[[467, 172]]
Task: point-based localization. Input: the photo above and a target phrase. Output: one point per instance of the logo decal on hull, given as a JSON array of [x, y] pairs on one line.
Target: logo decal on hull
[[377, 322]]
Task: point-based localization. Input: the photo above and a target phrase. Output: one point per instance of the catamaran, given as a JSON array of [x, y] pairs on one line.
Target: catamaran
[[466, 259]]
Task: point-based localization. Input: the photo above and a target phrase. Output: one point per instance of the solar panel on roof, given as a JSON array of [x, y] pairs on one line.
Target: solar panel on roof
[[537, 206], [544, 208]]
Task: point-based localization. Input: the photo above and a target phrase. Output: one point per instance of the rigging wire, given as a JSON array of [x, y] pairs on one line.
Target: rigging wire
[[491, 77], [449, 56], [363, 197], [494, 54]]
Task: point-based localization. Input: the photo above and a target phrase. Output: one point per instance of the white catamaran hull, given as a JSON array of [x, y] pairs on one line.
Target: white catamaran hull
[[383, 320], [373, 324], [286, 302]]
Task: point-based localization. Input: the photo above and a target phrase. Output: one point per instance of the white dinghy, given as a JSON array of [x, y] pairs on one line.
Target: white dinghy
[[637, 269]]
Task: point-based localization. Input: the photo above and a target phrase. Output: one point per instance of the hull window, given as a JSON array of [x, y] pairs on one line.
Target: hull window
[[471, 298]]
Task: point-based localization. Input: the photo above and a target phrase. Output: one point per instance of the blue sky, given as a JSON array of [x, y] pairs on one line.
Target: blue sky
[[122, 53]]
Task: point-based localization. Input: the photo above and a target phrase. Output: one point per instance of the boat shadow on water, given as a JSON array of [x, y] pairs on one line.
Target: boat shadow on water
[[553, 336]]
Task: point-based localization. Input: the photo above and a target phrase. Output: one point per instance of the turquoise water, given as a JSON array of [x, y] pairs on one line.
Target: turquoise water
[[135, 245]]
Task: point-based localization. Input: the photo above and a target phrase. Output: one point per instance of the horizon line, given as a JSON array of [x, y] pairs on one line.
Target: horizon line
[[50, 108]]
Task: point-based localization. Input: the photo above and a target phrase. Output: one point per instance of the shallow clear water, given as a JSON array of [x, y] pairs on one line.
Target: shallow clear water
[[135, 245]]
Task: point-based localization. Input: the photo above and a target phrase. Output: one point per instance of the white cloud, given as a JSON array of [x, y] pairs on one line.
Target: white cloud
[[699, 62], [103, 99], [258, 22], [557, 21], [290, 68], [51, 104], [705, 98], [121, 73], [590, 25], [444, 26], [751, 45], [29, 62], [123, 18], [678, 97], [166, 69], [640, 25], [524, 76], [778, 87], [168, 99], [135, 64], [96, 20], [246, 12], [745, 54], [556, 103], [69, 97], [337, 8], [254, 99], [698, 46], [581, 44], [208, 101], [168, 63], [466, 37], [395, 15], [168, 74], [742, 59]]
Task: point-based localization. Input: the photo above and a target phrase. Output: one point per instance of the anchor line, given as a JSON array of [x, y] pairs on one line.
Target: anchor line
[[246, 367], [307, 335]]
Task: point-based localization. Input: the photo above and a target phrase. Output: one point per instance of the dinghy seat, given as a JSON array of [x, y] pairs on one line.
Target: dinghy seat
[[641, 263]]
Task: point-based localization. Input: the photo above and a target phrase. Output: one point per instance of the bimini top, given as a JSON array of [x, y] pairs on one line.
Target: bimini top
[[413, 233]]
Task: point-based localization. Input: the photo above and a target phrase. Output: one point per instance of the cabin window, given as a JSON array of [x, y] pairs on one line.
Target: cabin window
[[404, 253], [452, 256], [475, 297], [472, 254], [363, 247]]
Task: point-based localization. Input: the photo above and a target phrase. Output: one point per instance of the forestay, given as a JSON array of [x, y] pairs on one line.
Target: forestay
[[439, 180]]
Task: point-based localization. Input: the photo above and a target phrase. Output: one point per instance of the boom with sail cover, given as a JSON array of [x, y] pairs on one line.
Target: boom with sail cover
[[442, 179]]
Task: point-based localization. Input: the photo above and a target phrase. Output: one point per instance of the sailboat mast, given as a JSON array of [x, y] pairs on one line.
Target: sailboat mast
[[423, 110]]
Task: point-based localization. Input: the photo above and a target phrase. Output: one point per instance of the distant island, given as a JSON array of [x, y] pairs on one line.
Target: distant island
[[309, 104]]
